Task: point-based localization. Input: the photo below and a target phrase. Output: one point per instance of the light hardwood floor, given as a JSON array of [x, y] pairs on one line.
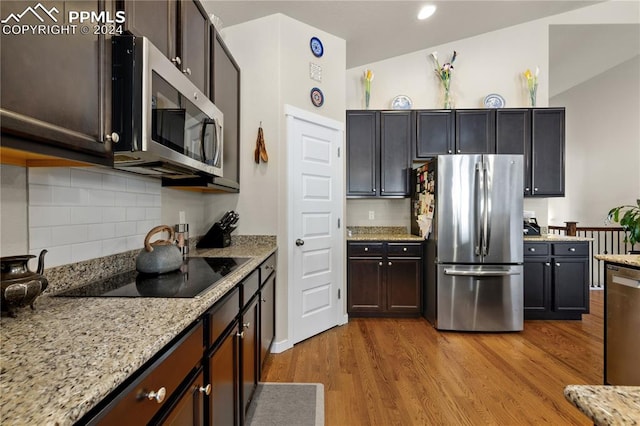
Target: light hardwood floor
[[404, 372]]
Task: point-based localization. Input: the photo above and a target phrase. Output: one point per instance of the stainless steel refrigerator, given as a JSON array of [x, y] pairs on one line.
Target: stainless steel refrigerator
[[469, 209]]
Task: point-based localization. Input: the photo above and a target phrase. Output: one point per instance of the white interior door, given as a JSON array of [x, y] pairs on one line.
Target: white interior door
[[315, 226]]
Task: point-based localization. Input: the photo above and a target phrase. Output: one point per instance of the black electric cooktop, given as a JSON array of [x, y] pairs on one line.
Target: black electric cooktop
[[196, 275]]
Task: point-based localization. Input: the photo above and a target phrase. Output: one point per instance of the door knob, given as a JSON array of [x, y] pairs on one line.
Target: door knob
[[299, 242]]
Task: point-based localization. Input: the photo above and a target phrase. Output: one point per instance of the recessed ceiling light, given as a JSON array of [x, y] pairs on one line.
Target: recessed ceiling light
[[426, 11]]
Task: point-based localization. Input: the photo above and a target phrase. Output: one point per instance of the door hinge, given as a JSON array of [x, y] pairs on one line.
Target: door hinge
[[338, 293], [338, 223], [338, 152]]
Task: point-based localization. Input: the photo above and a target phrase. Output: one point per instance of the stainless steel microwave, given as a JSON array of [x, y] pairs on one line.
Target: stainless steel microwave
[[166, 127]]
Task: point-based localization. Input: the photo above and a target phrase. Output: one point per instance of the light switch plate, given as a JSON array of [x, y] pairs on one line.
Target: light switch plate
[[315, 72]]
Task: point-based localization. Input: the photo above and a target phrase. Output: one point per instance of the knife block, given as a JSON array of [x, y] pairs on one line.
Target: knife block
[[216, 237]]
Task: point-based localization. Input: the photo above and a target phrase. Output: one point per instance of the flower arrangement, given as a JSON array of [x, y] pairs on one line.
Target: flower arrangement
[[532, 84], [368, 77], [444, 74]]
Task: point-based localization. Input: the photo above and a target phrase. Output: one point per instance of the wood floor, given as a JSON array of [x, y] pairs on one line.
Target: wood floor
[[404, 372]]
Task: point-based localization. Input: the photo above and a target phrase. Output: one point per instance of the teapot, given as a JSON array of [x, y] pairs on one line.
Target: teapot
[[161, 256], [20, 286]]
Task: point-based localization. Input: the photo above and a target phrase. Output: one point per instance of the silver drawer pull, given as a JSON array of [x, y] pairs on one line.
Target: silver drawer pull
[[205, 390], [264, 300], [404, 249], [390, 264], [366, 249], [379, 263], [158, 396], [572, 249], [240, 335], [557, 264], [532, 249], [246, 325]]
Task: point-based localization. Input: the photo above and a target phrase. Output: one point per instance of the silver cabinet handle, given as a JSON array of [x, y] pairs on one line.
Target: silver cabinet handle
[[240, 335], [527, 189], [382, 190], [557, 264], [366, 249], [264, 300], [177, 60], [532, 249], [113, 137], [459, 151], [246, 325], [373, 190], [187, 71], [449, 151], [158, 396], [205, 390], [535, 189], [547, 264], [299, 242], [379, 263], [404, 249], [389, 263], [572, 249]]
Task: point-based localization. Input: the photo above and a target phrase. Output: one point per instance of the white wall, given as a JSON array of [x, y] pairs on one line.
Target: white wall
[[493, 63], [603, 146], [274, 56]]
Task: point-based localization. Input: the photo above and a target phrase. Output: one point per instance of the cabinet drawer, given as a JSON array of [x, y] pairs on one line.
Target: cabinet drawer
[[536, 249], [133, 406], [365, 249], [222, 315], [267, 267], [571, 249], [250, 287], [404, 249]]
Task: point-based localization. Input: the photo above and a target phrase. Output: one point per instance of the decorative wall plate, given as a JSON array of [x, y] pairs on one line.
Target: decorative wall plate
[[494, 101], [401, 102], [316, 46], [317, 97]]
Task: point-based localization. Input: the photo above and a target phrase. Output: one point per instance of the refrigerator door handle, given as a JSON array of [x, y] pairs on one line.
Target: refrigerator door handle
[[479, 209], [487, 210], [485, 273]]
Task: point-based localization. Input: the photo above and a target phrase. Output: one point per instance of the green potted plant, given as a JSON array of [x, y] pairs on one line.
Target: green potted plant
[[629, 218]]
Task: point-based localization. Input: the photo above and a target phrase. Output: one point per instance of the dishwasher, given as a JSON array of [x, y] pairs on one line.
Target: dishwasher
[[622, 326]]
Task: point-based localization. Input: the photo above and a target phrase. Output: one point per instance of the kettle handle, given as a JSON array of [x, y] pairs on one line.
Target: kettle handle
[[148, 247]]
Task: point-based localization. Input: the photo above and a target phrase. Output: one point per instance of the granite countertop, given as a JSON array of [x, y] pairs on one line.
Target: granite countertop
[[622, 259], [381, 233], [606, 405], [555, 237], [60, 360]]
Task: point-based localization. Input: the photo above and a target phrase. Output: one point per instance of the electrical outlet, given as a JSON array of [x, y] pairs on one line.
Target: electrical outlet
[[372, 215]]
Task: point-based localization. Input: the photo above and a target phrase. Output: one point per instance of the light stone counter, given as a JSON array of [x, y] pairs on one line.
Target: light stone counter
[[606, 405], [60, 360], [622, 259], [381, 233], [555, 238]]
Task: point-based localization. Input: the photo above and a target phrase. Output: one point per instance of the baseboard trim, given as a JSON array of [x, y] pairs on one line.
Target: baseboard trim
[[281, 346]]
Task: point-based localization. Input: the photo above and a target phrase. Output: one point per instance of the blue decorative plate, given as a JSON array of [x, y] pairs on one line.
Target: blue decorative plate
[[494, 101], [401, 102], [317, 97], [316, 46]]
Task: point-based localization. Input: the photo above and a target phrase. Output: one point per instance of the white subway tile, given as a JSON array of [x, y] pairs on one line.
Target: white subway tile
[[72, 234], [144, 226], [136, 185], [83, 178], [135, 242], [58, 176], [157, 201], [71, 196], [49, 216], [39, 238], [153, 213], [114, 214], [125, 229], [144, 200], [125, 199], [114, 246], [154, 186], [56, 256], [135, 213], [86, 215], [114, 182], [101, 231], [86, 251], [40, 195], [101, 197]]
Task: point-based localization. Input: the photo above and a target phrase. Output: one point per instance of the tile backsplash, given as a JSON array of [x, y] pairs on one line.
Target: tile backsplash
[[84, 213]]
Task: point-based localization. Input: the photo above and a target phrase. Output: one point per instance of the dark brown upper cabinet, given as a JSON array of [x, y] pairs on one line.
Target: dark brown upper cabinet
[[180, 29], [56, 88], [435, 133], [475, 131]]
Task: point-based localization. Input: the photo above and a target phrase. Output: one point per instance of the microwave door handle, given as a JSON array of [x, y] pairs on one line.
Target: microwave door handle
[[205, 123], [217, 138]]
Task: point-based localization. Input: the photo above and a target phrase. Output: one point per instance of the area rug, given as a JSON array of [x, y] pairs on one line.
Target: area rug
[[291, 404]]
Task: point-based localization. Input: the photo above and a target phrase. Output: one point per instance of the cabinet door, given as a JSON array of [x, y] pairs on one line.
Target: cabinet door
[[548, 152], [571, 289], [155, 20], [225, 93], [249, 355], [189, 409], [43, 97], [403, 282], [194, 43], [537, 275], [395, 145], [362, 153], [475, 131], [223, 376], [267, 318], [435, 133], [364, 286], [513, 136]]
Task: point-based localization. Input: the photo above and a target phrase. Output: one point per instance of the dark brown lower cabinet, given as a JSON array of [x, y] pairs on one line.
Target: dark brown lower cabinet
[[267, 319], [249, 355], [384, 278], [189, 408], [223, 374]]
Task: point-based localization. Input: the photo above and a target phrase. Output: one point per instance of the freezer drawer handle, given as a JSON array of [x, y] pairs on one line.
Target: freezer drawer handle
[[626, 281], [480, 273]]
